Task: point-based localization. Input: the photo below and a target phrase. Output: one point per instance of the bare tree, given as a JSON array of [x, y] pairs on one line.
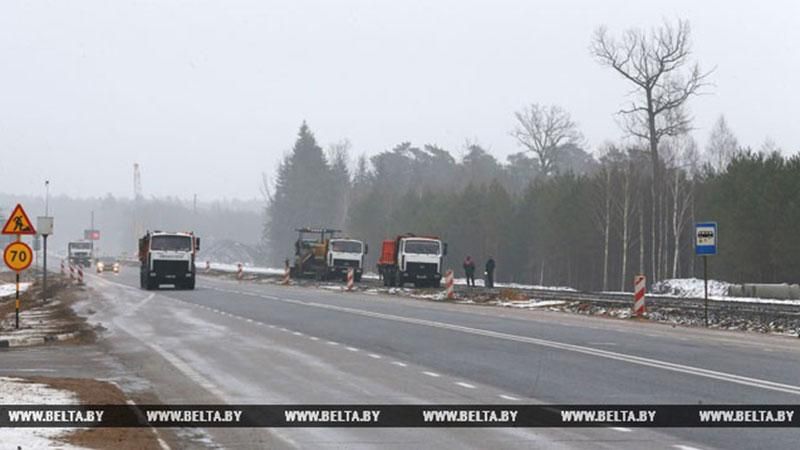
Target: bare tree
[[722, 145], [542, 130], [658, 64]]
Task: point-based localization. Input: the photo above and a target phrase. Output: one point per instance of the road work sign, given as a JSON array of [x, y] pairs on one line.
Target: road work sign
[[705, 238], [18, 222], [18, 256]]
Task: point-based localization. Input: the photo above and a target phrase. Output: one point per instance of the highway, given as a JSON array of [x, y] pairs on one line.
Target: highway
[[240, 342]]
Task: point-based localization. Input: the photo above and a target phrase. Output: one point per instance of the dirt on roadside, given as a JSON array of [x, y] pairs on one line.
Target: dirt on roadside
[[96, 392]]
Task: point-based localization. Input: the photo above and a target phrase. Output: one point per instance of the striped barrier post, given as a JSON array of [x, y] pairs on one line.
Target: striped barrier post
[[71, 273], [239, 272], [208, 266], [350, 278], [448, 282], [286, 274], [80, 275], [639, 287], [63, 270]]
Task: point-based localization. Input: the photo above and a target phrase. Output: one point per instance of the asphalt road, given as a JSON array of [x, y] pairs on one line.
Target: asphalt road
[[257, 343]]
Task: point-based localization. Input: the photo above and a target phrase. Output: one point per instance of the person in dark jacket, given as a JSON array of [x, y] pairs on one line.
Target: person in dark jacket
[[490, 273], [469, 270]]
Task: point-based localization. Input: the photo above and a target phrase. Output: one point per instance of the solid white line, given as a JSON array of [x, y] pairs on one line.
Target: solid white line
[[509, 397], [466, 385], [398, 363], [432, 374], [648, 362], [161, 443]]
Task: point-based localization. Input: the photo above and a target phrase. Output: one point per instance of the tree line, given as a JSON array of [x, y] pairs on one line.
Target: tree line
[[555, 213]]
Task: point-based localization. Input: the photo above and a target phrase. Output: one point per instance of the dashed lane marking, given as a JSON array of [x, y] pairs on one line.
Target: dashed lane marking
[[622, 429], [431, 374], [638, 360], [373, 355], [509, 397], [352, 349], [400, 364], [465, 385]]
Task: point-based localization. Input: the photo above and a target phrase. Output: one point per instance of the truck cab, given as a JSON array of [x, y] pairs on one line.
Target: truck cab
[[412, 259], [168, 258], [344, 254], [80, 253]]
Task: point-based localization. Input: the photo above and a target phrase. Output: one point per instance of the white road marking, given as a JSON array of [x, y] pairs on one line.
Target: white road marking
[[297, 333], [648, 362], [685, 447], [352, 349], [313, 338], [622, 429], [466, 385], [398, 363], [161, 442], [333, 343], [373, 355], [432, 374], [508, 397]]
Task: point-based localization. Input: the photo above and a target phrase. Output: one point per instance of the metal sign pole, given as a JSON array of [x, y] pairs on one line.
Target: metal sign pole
[[44, 270], [16, 305], [705, 282]]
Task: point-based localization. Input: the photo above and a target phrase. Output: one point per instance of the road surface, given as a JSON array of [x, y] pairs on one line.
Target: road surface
[[258, 343]]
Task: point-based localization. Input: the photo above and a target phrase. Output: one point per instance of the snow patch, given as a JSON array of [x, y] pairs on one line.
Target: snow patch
[[10, 289], [15, 391]]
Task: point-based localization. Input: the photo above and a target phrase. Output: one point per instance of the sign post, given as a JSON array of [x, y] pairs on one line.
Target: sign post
[[705, 245], [17, 255], [44, 225]]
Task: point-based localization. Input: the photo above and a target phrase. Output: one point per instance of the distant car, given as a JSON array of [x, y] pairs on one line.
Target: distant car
[[107, 265]]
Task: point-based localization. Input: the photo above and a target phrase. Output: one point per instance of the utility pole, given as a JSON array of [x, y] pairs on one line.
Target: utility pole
[[45, 226]]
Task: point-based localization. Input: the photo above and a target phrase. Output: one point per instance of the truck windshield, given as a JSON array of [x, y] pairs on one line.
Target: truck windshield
[[80, 246], [422, 247], [346, 246], [171, 243]]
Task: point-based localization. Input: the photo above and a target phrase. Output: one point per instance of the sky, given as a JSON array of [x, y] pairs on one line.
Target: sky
[[208, 95]]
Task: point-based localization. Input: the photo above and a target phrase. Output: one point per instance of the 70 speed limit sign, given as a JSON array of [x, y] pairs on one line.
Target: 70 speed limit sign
[[18, 256]]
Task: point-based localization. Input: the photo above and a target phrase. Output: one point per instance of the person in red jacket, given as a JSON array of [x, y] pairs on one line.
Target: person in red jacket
[[469, 270]]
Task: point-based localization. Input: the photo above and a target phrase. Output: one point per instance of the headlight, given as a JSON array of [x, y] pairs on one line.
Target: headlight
[[100, 265], [116, 267]]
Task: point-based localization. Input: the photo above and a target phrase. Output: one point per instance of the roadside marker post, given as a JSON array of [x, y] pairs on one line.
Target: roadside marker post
[[639, 288], [71, 273], [17, 255], [63, 270], [80, 275], [286, 273], [350, 279], [239, 272], [705, 245], [208, 266], [448, 282]]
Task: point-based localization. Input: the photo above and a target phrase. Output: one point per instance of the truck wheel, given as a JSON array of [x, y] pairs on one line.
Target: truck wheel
[[357, 278]]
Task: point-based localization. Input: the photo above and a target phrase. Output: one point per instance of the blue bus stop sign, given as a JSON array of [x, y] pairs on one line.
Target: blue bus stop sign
[[705, 238]]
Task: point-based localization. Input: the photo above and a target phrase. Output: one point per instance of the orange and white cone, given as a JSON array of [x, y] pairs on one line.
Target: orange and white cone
[[448, 283], [639, 287], [286, 279], [350, 278]]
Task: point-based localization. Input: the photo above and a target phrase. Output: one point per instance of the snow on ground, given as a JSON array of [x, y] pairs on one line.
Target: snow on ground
[[14, 391], [530, 304], [10, 289], [717, 290]]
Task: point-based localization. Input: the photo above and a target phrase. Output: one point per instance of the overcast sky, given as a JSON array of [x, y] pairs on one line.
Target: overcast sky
[[207, 95]]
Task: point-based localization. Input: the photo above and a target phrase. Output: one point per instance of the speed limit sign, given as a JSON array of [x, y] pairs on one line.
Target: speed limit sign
[[18, 256]]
